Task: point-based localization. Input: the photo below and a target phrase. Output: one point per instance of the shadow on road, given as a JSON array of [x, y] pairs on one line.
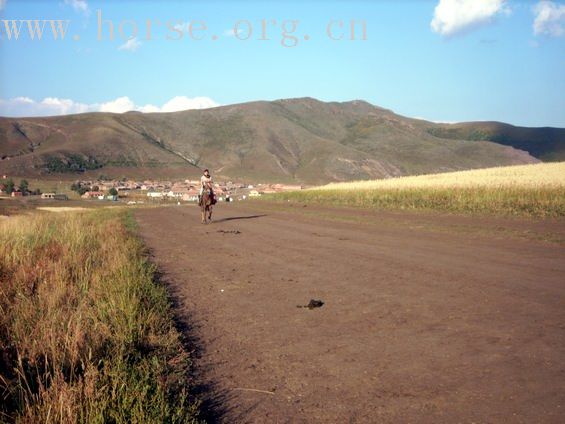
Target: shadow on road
[[233, 218]]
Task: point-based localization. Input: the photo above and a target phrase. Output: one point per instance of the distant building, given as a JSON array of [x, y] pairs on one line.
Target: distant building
[[56, 196], [155, 194], [177, 192], [254, 193], [17, 194], [92, 195], [190, 196]]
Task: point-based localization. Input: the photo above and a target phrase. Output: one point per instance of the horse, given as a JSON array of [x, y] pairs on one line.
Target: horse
[[206, 203]]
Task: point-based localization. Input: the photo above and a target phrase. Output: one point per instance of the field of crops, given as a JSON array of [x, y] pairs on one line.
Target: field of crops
[[531, 176], [528, 190]]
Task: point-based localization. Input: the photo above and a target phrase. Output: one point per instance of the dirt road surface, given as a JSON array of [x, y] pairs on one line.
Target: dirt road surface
[[427, 317]]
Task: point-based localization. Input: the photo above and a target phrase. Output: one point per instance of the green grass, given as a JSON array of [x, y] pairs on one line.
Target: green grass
[[534, 202], [86, 332]]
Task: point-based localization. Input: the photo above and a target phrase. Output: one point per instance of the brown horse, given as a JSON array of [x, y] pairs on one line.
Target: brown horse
[[206, 203]]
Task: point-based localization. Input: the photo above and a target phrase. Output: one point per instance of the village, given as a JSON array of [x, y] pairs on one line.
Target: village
[[135, 191]]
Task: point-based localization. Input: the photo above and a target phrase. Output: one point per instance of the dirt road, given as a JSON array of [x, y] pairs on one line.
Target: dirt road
[[427, 317]]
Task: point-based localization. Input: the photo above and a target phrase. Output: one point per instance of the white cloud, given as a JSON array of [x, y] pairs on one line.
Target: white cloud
[[79, 6], [51, 106], [131, 45], [149, 109], [120, 105], [456, 16], [2, 4], [24, 106], [65, 106], [183, 103], [550, 19]]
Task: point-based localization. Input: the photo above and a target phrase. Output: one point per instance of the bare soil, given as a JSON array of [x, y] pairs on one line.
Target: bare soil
[[427, 317]]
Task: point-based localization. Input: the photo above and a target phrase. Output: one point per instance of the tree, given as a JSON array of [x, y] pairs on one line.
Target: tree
[[79, 188], [113, 191], [24, 186], [9, 186]]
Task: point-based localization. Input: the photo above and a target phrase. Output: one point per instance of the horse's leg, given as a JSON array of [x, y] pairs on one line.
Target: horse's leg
[[203, 213], [210, 214]]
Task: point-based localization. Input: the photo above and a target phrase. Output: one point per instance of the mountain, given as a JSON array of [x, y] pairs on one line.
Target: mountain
[[547, 144], [294, 140]]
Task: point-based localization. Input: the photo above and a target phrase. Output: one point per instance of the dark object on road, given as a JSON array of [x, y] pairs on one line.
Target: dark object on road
[[312, 304], [229, 231]]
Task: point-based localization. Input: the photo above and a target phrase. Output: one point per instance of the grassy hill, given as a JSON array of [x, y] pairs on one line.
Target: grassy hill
[[547, 144], [294, 140]]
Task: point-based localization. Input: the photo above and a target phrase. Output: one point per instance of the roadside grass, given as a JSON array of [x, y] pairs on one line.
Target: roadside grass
[[526, 190], [86, 332]]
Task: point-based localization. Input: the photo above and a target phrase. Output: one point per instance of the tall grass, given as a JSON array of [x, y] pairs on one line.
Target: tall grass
[[86, 334], [525, 190], [532, 176]]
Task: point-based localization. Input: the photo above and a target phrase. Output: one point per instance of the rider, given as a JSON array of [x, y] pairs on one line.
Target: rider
[[206, 183]]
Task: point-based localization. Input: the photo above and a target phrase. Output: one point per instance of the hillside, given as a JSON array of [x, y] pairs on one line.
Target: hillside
[[547, 144], [295, 140]]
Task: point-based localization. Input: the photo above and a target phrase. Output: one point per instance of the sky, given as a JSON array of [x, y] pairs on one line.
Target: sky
[[440, 60]]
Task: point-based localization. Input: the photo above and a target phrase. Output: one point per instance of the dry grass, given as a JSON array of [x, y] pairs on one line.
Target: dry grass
[[86, 334], [539, 175], [61, 208], [527, 190]]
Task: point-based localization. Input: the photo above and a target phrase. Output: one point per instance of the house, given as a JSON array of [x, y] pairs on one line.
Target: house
[[55, 196], [155, 194], [177, 191], [191, 195], [17, 193], [254, 193], [92, 195], [175, 194]]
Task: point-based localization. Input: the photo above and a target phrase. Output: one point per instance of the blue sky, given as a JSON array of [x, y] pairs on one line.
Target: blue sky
[[448, 60]]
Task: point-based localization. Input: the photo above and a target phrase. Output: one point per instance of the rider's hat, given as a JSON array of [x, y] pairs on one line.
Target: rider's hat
[[206, 170]]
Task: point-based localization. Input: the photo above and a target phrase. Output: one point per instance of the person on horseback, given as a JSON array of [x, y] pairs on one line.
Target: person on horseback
[[206, 183]]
